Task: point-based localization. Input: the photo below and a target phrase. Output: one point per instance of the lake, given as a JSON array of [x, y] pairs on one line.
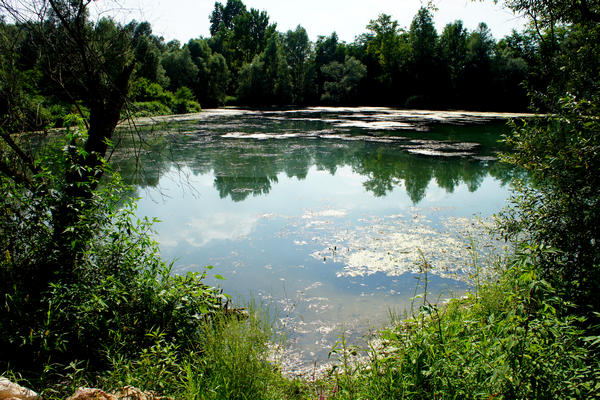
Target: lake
[[326, 215]]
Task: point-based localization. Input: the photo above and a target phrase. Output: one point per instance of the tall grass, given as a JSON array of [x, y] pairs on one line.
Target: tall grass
[[229, 363]]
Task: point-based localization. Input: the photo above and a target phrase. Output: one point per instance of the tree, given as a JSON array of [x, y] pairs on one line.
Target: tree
[[384, 45], [510, 71], [51, 195], [180, 68], [327, 50], [213, 73], [218, 80], [266, 80], [298, 52], [342, 80], [424, 62], [480, 50], [453, 54], [555, 218], [90, 64], [222, 17], [251, 32]]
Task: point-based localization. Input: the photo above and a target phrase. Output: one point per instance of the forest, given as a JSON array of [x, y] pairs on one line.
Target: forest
[[246, 61], [87, 300]]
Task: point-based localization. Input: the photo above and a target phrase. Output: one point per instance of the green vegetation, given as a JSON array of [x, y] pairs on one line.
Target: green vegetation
[[86, 300], [246, 61]]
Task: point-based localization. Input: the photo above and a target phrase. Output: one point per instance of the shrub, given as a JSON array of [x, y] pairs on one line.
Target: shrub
[[149, 109], [184, 101], [558, 209], [100, 287]]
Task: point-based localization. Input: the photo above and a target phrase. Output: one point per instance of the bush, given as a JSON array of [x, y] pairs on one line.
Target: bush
[[96, 287], [558, 209], [142, 90], [149, 109], [184, 102], [230, 101]]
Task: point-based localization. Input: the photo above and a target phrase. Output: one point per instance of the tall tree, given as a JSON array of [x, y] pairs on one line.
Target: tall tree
[[327, 50], [480, 50], [213, 74], [298, 52], [90, 63], [222, 17], [423, 43], [556, 215], [251, 32], [180, 68], [453, 54], [266, 80], [342, 81], [384, 44]]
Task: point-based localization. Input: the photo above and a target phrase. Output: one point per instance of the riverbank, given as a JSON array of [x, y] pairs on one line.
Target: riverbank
[[504, 341]]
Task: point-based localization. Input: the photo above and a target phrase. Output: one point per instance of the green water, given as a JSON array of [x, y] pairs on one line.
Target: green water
[[324, 214]]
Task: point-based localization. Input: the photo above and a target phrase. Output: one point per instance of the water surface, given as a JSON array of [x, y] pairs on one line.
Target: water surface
[[326, 214]]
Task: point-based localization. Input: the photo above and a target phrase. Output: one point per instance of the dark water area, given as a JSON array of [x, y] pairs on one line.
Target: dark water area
[[325, 215]]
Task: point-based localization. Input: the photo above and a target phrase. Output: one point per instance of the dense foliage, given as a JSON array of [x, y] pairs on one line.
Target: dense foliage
[[112, 293], [247, 61]]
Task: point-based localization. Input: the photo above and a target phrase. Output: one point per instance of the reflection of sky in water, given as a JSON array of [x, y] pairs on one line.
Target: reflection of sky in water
[[323, 250]]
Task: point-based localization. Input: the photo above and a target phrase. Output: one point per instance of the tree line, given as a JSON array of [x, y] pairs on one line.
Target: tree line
[[246, 61]]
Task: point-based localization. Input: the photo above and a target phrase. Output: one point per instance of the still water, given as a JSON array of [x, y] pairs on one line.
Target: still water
[[324, 214]]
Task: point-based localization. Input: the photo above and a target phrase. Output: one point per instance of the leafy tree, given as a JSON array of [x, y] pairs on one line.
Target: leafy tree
[[251, 32], [453, 54], [222, 16], [180, 68], [424, 62], [384, 44], [342, 80], [510, 72], [213, 74], [218, 80], [480, 50], [241, 34], [147, 53], [327, 50], [555, 215], [298, 52], [266, 80]]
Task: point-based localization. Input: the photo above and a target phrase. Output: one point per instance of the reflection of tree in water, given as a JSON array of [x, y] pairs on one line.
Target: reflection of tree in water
[[239, 187], [245, 166], [245, 169]]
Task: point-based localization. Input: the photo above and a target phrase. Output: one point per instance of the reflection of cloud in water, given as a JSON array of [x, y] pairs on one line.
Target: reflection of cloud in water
[[324, 213], [219, 226]]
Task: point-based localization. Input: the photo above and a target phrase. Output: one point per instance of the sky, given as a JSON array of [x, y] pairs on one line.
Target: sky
[[187, 19]]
